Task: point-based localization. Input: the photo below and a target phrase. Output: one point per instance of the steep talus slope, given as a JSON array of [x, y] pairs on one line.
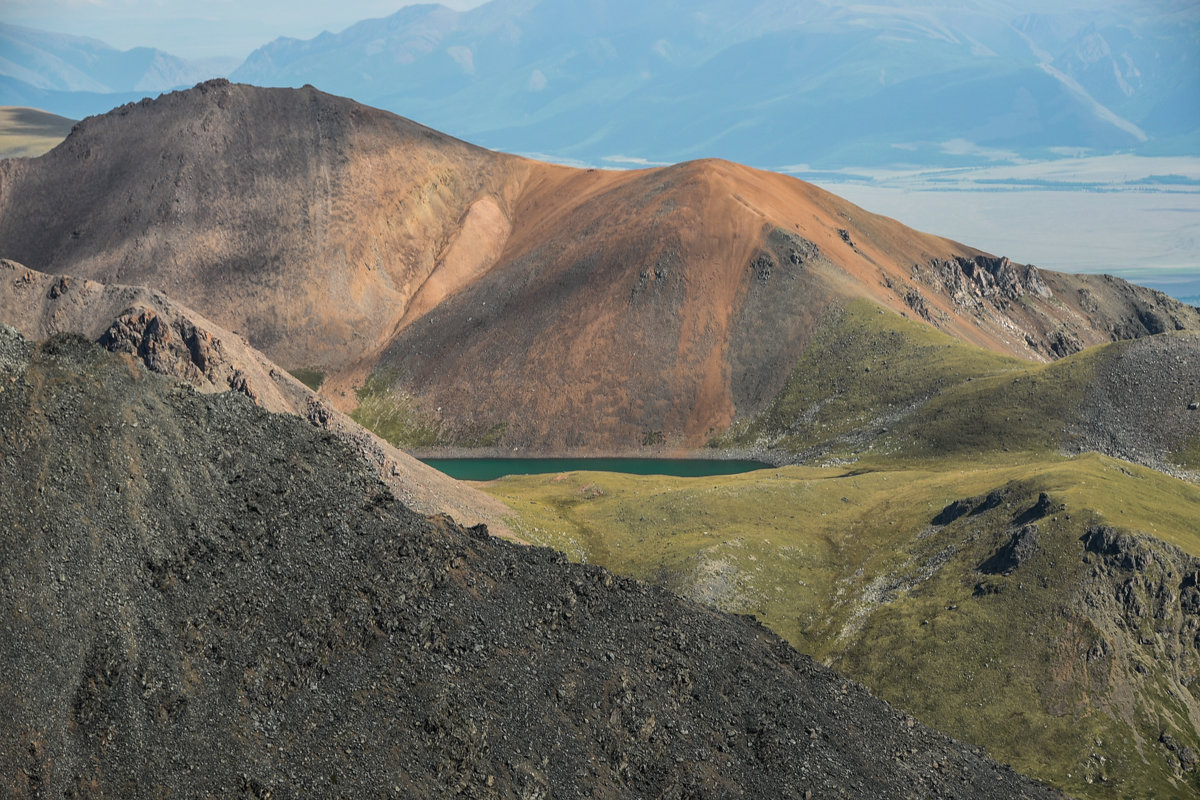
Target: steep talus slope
[[1042, 608], [1143, 403], [175, 341], [1138, 400], [485, 299], [204, 598]]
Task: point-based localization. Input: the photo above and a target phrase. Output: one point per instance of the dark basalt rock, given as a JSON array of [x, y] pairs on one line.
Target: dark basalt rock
[[1044, 507], [955, 510], [204, 599], [1152, 588], [1188, 760], [1015, 552], [914, 300], [1122, 549], [1063, 343], [972, 506]]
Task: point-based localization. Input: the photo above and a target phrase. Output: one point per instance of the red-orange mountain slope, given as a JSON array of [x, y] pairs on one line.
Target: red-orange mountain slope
[[567, 308]]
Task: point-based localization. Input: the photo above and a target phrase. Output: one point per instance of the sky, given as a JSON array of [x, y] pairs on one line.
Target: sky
[[199, 29]]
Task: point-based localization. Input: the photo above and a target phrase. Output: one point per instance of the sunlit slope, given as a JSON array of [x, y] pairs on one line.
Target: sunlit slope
[[1019, 621], [956, 551], [28, 132]]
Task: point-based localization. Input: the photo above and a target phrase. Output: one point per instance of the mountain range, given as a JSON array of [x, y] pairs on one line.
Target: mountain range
[[989, 520], [773, 84], [500, 300], [74, 76]]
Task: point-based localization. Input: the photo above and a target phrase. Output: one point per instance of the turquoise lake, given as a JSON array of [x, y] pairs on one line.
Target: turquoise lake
[[486, 469]]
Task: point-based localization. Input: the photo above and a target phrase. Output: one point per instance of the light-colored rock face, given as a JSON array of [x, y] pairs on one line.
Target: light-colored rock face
[[171, 339], [576, 309]]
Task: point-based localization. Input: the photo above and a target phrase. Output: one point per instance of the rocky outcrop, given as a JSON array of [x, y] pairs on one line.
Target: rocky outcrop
[[1063, 343], [916, 301], [175, 341], [970, 282], [1148, 592], [971, 506], [1094, 626], [202, 598], [176, 348], [1013, 553], [1054, 315]]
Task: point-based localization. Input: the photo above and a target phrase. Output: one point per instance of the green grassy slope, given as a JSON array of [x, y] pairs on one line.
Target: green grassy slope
[[1078, 665], [1046, 667], [865, 369], [875, 386], [402, 420]]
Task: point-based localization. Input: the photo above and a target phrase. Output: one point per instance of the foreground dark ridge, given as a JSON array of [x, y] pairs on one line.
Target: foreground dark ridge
[[204, 598]]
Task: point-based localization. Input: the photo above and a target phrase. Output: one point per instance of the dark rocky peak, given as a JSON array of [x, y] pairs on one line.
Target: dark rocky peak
[[1044, 507], [1120, 549], [176, 347], [1021, 542], [980, 504]]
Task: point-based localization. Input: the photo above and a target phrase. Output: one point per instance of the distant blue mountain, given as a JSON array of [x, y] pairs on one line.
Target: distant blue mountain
[[767, 82], [771, 82], [55, 63]]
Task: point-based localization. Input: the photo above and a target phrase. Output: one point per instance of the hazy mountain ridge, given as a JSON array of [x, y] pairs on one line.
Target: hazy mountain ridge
[[58, 62], [795, 80], [773, 84]]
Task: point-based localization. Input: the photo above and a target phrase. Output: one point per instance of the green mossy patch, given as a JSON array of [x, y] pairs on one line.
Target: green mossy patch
[[309, 376], [394, 415], [403, 420], [863, 370]]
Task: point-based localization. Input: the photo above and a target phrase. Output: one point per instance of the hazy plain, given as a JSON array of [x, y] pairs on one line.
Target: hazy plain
[[1135, 217]]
